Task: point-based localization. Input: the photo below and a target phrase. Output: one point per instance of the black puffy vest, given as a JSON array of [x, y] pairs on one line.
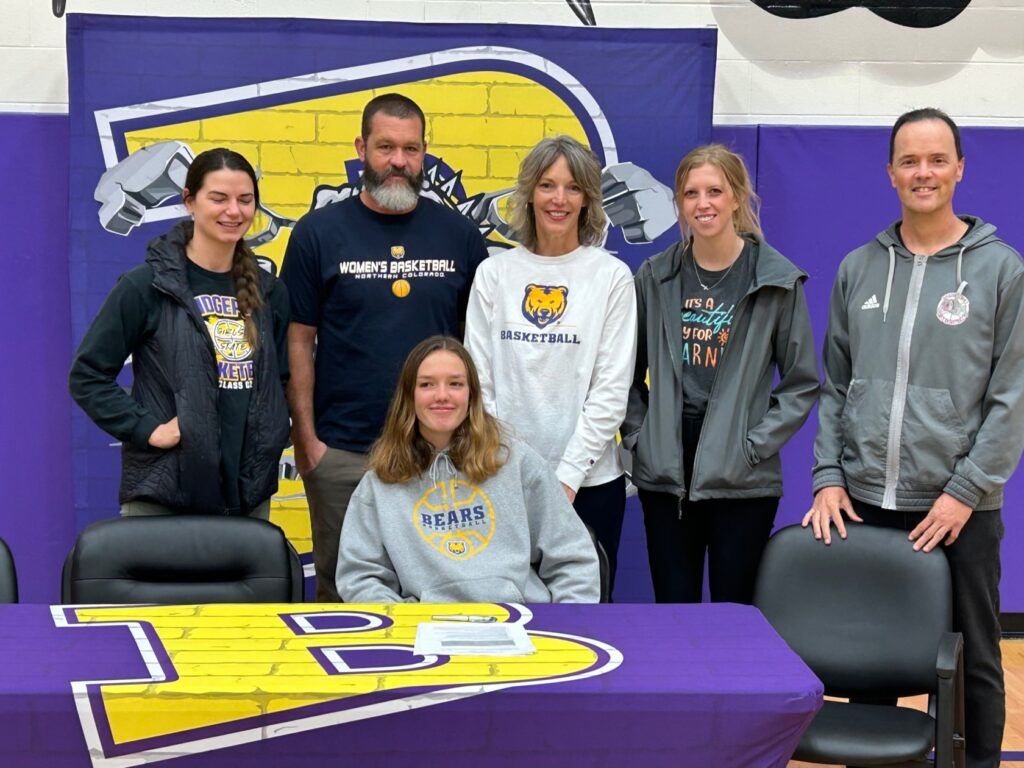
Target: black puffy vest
[[176, 375]]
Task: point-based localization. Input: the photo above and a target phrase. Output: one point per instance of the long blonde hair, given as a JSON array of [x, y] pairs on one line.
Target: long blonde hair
[[735, 174], [401, 453]]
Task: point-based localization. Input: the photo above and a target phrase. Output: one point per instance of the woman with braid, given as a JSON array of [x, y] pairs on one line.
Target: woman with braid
[[204, 425]]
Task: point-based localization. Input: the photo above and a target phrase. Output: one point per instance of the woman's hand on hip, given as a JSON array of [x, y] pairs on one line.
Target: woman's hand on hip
[[166, 435]]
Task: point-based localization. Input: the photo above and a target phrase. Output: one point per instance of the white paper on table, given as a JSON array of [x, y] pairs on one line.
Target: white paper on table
[[467, 639]]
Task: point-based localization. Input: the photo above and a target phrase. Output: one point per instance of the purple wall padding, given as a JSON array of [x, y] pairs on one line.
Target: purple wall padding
[[36, 516], [741, 139], [825, 191]]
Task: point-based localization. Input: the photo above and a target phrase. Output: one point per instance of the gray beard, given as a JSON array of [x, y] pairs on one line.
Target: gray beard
[[392, 197]]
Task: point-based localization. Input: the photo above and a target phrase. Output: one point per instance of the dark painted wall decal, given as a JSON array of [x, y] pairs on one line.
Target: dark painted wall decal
[[916, 13]]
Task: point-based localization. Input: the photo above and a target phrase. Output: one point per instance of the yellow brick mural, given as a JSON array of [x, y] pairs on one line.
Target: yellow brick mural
[[480, 124]]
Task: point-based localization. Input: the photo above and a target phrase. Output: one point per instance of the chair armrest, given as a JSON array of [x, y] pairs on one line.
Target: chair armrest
[[949, 702], [65, 578], [950, 656]]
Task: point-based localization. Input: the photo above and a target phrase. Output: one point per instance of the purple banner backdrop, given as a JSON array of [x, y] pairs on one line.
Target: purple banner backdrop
[[35, 515], [147, 93]]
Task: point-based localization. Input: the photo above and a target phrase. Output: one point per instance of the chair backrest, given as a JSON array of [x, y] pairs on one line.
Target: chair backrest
[[182, 559], [603, 567], [865, 613], [8, 576]]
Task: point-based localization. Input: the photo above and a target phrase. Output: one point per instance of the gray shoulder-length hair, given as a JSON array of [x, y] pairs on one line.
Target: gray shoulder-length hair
[[585, 169]]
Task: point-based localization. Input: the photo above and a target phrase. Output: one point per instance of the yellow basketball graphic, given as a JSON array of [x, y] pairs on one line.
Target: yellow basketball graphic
[[401, 288], [455, 518], [229, 338], [398, 251]]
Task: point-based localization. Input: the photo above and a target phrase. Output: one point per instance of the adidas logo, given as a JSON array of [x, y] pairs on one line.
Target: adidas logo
[[871, 303]]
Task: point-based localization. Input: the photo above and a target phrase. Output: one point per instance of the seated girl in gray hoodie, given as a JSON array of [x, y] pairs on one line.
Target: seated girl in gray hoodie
[[452, 510]]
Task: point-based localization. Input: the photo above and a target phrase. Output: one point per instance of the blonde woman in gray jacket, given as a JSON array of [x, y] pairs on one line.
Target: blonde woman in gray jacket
[[720, 313]]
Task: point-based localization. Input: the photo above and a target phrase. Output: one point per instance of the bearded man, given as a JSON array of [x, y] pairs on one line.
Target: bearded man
[[369, 278]]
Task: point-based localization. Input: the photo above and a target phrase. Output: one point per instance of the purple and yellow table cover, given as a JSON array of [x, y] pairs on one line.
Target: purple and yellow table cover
[[338, 685]]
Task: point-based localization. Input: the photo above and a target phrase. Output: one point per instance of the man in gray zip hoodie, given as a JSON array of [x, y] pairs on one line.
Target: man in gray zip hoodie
[[920, 422]]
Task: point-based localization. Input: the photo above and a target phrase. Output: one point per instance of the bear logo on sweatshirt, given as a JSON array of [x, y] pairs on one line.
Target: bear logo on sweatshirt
[[544, 304]]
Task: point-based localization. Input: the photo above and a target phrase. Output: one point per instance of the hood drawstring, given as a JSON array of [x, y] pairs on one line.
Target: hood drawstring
[[442, 465], [888, 281], [961, 283]]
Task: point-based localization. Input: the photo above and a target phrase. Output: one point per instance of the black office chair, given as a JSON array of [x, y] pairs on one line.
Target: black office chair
[[872, 619], [8, 575], [182, 559], [603, 567]]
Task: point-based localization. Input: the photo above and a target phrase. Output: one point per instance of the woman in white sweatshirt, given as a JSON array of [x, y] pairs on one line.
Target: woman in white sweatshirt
[[551, 325], [451, 510]]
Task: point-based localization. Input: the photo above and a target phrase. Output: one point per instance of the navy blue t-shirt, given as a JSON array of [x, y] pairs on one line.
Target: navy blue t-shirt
[[374, 285]]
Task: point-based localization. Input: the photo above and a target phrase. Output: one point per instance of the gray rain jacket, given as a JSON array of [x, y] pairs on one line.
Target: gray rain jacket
[[747, 419], [923, 376]]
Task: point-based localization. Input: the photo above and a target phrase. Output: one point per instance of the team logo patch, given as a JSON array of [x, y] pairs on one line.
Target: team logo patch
[[953, 309], [544, 304], [398, 251], [455, 518], [222, 675]]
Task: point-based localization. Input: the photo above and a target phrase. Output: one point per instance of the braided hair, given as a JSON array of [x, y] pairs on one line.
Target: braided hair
[[244, 268]]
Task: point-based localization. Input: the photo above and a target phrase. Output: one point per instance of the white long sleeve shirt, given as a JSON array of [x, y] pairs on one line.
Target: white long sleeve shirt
[[554, 339]]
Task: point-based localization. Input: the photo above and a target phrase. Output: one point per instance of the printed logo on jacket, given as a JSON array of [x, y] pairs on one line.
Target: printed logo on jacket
[[455, 518], [217, 676]]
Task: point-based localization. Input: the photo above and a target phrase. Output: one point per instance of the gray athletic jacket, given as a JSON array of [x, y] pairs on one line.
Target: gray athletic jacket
[[923, 373], [748, 419]]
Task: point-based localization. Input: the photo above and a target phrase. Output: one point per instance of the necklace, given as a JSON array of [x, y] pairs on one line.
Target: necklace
[[696, 272]]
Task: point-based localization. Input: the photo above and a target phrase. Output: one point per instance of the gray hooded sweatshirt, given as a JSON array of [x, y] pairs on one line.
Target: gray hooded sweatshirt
[[443, 539], [749, 415], [923, 373]]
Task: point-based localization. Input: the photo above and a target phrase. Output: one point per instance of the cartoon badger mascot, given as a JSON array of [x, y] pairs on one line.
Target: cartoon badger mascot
[[543, 304]]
